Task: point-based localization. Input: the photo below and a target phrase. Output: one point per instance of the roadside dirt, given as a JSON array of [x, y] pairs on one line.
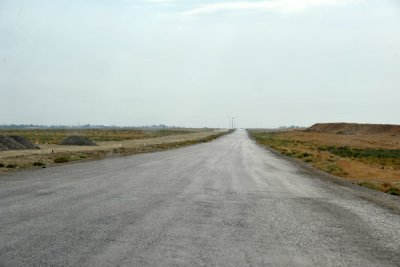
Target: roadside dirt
[[385, 141], [49, 154], [371, 160], [356, 129]]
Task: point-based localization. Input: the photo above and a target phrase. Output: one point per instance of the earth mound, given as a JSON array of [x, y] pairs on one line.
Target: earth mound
[[24, 142], [15, 143], [76, 140], [3, 148], [354, 128]]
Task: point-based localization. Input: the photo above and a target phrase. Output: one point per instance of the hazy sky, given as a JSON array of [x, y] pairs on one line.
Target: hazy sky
[[194, 63]]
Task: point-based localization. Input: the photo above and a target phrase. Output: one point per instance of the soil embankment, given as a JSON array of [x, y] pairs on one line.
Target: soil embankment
[[355, 128], [76, 140]]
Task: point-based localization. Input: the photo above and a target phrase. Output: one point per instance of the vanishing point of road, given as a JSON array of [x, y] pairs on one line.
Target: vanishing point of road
[[229, 202]]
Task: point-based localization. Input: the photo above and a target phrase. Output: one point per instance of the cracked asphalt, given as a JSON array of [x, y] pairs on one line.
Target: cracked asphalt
[[229, 202]]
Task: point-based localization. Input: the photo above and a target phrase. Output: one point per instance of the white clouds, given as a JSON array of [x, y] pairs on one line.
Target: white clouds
[[286, 6]]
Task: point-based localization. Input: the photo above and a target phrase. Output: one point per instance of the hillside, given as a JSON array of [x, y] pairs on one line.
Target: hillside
[[355, 129]]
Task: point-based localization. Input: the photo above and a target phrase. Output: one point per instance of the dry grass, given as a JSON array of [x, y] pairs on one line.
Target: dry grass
[[366, 159], [55, 136], [50, 155], [356, 141]]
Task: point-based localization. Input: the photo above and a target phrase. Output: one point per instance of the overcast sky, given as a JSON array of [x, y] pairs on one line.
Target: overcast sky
[[194, 63]]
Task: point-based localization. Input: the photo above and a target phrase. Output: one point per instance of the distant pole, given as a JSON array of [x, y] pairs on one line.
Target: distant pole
[[230, 122]]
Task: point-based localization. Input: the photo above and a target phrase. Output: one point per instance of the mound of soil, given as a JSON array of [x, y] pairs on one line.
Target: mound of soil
[[77, 140], [355, 129], [24, 142], [10, 144], [3, 148]]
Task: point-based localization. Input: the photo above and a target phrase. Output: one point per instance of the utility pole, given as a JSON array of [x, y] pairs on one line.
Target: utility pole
[[232, 122]]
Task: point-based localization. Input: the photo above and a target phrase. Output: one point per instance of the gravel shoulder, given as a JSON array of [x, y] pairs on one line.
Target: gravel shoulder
[[229, 202], [47, 154]]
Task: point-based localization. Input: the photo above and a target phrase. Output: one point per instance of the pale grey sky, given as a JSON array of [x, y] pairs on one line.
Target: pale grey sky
[[194, 63]]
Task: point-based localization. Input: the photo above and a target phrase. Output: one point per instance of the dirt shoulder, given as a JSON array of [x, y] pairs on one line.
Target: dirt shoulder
[[371, 160], [50, 155]]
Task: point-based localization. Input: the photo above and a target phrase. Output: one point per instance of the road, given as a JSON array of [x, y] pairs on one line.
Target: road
[[229, 202]]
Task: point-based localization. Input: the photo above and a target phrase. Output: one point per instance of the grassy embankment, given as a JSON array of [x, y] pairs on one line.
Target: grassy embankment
[[367, 161], [111, 142]]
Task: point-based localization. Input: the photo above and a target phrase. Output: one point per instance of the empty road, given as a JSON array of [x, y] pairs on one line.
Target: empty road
[[229, 202]]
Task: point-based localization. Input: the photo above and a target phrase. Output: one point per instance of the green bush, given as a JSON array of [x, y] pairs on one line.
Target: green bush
[[363, 153], [11, 166], [368, 185], [385, 187], [61, 159], [334, 169], [394, 191]]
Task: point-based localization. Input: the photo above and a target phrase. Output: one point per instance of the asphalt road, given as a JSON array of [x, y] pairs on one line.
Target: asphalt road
[[229, 202]]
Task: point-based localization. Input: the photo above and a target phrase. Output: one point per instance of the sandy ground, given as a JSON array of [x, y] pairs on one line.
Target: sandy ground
[[229, 202], [358, 141], [382, 173], [47, 153]]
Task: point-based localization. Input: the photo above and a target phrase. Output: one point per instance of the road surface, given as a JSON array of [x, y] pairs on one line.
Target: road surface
[[229, 202]]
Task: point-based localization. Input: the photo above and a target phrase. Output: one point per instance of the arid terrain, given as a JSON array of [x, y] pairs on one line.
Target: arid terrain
[[229, 202], [366, 153], [109, 143]]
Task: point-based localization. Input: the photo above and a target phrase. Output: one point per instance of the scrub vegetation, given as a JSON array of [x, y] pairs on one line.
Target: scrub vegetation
[[370, 160], [56, 136], [137, 141]]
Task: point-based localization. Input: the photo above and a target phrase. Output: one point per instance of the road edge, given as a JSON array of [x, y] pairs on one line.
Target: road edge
[[381, 199], [124, 152]]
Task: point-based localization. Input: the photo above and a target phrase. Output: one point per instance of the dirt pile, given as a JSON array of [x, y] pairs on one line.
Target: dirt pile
[[355, 129], [3, 148], [15, 143], [24, 142], [77, 140]]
